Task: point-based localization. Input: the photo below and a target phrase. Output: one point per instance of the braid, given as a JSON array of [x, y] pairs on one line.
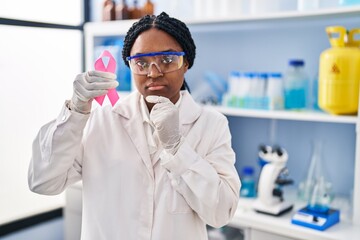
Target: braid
[[174, 27]]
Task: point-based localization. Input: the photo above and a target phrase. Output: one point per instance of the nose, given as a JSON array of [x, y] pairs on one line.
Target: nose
[[154, 72]]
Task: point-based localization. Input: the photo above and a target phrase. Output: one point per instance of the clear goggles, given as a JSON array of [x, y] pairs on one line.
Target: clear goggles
[[165, 62]]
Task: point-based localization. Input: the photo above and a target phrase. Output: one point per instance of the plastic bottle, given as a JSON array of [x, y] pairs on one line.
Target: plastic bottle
[[108, 11], [122, 10], [304, 5], [233, 88], [264, 6], [349, 2], [247, 182], [275, 91], [296, 85]]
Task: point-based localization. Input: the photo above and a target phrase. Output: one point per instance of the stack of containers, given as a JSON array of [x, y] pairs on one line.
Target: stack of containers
[[253, 90]]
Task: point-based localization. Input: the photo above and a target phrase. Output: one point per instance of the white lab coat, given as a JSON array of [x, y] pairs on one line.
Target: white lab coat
[[125, 195]]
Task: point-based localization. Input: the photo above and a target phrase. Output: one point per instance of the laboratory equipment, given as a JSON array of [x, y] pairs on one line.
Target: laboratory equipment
[[248, 188], [316, 220], [274, 91], [339, 72], [317, 192], [349, 2], [315, 174], [304, 5], [264, 155], [296, 85], [272, 177]]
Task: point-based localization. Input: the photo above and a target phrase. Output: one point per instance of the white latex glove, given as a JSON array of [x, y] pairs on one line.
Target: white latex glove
[[165, 117], [88, 85]]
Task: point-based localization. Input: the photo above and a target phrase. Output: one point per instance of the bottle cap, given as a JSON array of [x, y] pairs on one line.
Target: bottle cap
[[248, 170], [275, 75], [296, 62]]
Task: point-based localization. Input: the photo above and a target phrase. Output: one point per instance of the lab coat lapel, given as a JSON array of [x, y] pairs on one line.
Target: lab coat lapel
[[189, 112], [133, 123]]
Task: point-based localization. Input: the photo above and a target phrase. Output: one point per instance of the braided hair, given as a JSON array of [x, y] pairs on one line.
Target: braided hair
[[174, 27]]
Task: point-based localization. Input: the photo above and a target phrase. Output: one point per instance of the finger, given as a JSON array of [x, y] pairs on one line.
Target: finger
[[157, 99], [95, 73], [101, 85], [84, 94]]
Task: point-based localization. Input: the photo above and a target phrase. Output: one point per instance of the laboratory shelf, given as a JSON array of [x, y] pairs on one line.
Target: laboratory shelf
[[338, 12], [246, 217], [120, 27], [311, 116]]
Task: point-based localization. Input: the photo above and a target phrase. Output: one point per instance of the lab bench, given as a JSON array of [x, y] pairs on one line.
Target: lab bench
[[253, 225]]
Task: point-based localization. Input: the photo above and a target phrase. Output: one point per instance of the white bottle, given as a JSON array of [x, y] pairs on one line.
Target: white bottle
[[264, 6], [275, 91], [304, 5]]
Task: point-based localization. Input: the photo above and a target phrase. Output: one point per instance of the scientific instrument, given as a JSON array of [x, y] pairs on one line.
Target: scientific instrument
[[317, 192], [272, 177]]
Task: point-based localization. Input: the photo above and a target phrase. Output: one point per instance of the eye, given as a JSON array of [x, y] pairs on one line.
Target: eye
[[141, 64], [167, 59]]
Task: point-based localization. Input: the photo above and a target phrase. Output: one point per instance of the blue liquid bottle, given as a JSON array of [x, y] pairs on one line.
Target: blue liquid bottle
[[296, 85], [247, 183]]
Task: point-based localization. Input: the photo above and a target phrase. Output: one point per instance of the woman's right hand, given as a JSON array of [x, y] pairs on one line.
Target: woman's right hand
[[89, 85]]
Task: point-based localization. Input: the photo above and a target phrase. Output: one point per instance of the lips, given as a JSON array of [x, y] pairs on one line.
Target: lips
[[155, 87]]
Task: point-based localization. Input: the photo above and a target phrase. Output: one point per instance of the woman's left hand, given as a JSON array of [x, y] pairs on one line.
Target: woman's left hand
[[165, 117]]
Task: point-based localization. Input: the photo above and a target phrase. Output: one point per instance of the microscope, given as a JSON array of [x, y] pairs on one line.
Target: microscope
[[272, 177]]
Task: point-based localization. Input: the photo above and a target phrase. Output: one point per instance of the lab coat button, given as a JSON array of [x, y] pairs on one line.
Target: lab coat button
[[174, 182], [63, 118]]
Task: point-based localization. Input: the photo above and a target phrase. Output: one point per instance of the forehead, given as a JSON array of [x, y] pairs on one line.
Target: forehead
[[154, 40]]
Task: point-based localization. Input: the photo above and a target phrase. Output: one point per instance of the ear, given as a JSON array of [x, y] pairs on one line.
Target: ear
[[186, 65]]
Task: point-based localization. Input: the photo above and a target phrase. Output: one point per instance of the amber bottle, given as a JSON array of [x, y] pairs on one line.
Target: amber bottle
[[148, 8], [135, 12]]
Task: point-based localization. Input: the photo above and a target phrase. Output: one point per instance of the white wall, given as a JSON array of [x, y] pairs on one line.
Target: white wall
[[37, 67]]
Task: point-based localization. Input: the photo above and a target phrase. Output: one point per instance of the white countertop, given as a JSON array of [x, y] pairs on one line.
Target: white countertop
[[245, 216]]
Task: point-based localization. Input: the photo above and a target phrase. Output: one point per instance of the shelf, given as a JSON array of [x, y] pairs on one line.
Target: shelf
[[113, 27], [245, 216], [287, 115], [328, 13]]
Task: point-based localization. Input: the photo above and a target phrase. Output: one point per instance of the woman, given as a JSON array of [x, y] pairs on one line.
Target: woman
[[156, 165]]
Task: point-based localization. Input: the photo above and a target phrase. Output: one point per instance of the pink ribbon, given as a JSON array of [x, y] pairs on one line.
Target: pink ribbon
[[106, 63]]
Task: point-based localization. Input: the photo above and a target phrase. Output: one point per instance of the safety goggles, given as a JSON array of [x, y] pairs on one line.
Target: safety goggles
[[165, 62]]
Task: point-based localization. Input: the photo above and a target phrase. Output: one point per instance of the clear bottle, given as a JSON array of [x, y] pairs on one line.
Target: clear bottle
[[248, 183], [122, 10], [296, 85], [108, 10]]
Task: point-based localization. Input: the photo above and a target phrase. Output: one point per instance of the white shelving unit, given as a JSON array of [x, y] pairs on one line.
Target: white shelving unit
[[347, 228], [288, 115]]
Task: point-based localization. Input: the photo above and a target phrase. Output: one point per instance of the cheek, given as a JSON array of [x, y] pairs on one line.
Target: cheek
[[139, 81]]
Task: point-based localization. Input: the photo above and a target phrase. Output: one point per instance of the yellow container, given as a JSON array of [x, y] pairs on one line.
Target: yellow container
[[339, 72]]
